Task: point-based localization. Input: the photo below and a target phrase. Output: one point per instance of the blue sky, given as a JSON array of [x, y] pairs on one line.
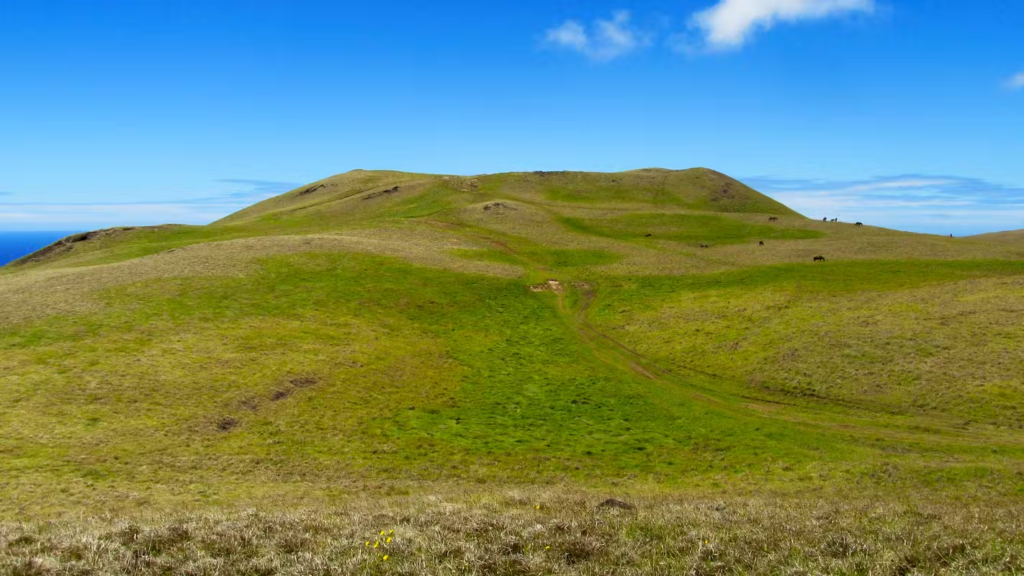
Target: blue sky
[[903, 113]]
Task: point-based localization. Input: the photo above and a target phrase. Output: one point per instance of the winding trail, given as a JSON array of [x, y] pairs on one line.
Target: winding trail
[[574, 302]]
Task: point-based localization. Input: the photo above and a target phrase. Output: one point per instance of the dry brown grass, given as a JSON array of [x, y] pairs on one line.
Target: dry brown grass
[[1012, 236], [533, 532]]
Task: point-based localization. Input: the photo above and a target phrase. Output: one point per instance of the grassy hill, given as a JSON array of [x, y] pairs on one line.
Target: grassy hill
[[514, 340], [1012, 236]]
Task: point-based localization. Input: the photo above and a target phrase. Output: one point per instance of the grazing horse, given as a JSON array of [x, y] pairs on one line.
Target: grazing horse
[[859, 224], [761, 243], [773, 219], [819, 258], [647, 236], [825, 219]]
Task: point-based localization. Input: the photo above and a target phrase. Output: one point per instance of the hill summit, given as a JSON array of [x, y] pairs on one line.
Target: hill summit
[[694, 189]]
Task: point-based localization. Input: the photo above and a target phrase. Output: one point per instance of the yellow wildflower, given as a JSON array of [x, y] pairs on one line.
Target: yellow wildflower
[[375, 544], [381, 532], [389, 540], [391, 532], [385, 558]]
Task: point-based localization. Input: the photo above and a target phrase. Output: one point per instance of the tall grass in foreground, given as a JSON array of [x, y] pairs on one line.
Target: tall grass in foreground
[[539, 533]]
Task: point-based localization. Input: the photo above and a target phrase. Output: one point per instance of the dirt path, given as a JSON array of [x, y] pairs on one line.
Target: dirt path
[[729, 398]]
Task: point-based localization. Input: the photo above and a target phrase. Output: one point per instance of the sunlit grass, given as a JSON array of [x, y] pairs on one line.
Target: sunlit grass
[[361, 345]]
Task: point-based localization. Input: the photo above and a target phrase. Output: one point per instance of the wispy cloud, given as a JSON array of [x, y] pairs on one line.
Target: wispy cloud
[[919, 203], [604, 40], [259, 187], [731, 23], [92, 216], [1016, 82], [237, 194]]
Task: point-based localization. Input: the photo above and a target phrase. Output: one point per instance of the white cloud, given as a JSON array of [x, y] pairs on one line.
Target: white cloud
[[569, 35], [896, 185], [605, 40], [1016, 82], [233, 195], [730, 23], [919, 203]]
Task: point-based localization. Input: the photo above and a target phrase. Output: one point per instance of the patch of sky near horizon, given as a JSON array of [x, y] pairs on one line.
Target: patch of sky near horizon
[[933, 204], [131, 111]]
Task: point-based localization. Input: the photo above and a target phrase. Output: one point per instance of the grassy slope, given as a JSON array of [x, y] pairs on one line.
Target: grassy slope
[[1011, 236], [345, 341]]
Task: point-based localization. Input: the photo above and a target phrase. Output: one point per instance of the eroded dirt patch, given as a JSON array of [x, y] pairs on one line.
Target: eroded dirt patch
[[304, 381], [311, 189], [549, 286], [380, 193], [498, 206], [227, 424], [293, 384]]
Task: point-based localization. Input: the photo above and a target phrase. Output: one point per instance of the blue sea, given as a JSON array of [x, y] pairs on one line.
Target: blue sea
[[14, 245]]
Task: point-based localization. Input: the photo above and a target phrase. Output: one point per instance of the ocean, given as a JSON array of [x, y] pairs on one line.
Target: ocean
[[14, 245]]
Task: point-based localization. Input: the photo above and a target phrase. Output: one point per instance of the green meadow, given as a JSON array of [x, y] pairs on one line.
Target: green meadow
[[477, 362]]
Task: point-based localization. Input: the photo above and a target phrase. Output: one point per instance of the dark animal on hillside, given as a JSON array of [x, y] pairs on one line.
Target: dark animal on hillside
[[835, 219], [647, 236], [859, 224], [819, 258], [773, 219], [761, 243], [705, 246], [824, 219]]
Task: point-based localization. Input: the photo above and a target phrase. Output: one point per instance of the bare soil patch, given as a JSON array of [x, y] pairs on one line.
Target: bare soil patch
[[549, 286], [227, 424], [498, 206], [380, 193], [312, 189]]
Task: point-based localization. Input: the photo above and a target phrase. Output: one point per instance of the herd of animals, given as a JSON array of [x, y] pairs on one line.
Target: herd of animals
[[776, 219]]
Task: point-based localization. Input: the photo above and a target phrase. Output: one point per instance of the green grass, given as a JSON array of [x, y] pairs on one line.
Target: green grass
[[900, 337], [546, 257], [688, 228], [346, 344], [415, 373], [436, 369], [694, 189]]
